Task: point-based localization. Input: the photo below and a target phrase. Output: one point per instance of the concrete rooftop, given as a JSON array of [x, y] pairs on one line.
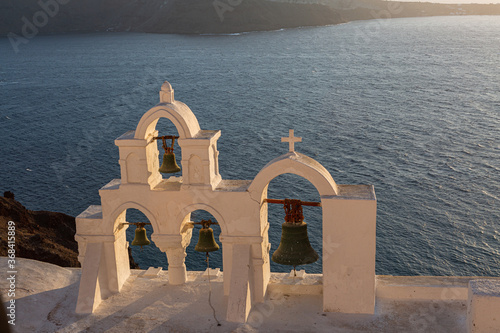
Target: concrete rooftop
[[46, 299]]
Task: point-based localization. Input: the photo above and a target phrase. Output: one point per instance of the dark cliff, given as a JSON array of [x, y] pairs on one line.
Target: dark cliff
[[40, 235], [352, 10], [28, 18], [194, 16], [163, 16]]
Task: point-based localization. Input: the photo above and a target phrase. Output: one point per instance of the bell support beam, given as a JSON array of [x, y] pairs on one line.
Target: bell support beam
[[303, 203], [136, 223], [165, 137]]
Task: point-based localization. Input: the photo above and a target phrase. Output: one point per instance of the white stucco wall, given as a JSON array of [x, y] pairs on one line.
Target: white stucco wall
[[349, 218]]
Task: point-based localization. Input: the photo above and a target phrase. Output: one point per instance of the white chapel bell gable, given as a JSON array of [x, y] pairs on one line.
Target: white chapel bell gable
[[240, 210]]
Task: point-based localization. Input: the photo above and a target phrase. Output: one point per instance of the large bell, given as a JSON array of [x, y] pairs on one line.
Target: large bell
[[140, 238], [206, 241], [294, 248], [169, 164]]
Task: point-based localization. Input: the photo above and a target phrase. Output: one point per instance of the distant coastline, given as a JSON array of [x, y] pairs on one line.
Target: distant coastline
[[24, 19]]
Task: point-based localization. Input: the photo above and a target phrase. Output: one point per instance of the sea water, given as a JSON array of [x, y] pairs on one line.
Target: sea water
[[411, 106]]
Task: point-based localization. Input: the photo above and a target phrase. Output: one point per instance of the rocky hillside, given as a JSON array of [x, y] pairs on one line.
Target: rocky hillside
[[195, 16], [351, 10], [40, 235], [165, 16], [28, 18]]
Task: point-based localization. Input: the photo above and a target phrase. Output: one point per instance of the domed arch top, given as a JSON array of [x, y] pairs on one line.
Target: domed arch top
[[133, 205], [179, 114], [201, 206], [298, 164]]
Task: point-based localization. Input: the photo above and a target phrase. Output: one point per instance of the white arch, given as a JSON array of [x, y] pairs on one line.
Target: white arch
[[177, 112], [134, 205], [201, 206], [297, 164]]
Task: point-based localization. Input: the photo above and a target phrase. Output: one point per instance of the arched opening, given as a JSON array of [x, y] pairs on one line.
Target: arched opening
[[180, 115], [150, 255], [195, 261], [291, 186], [165, 127]]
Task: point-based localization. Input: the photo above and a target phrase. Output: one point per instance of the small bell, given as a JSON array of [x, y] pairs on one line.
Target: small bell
[[169, 164], [206, 240], [141, 237]]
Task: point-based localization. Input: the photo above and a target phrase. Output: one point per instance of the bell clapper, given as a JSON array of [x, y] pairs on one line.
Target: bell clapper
[[294, 271]]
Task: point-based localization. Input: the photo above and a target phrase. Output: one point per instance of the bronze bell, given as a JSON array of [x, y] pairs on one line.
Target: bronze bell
[[295, 248], [206, 241], [169, 164], [141, 237]]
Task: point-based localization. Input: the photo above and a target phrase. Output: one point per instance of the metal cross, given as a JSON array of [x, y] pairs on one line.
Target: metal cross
[[291, 141]]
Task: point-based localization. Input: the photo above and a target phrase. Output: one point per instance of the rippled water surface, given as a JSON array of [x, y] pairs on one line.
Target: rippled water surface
[[411, 106]]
